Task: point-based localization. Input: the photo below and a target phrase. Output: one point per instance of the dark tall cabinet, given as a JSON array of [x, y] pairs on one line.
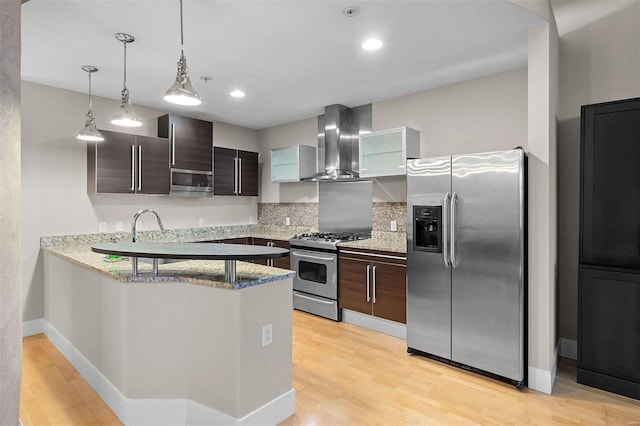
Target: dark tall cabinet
[[609, 271]]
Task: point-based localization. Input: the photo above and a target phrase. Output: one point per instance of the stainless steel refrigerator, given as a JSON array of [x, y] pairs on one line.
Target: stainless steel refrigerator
[[466, 261]]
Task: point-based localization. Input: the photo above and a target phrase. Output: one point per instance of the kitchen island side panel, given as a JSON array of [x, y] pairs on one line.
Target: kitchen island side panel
[[163, 341]]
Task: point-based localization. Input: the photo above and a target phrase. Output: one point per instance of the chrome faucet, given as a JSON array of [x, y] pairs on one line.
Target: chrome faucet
[[134, 260], [135, 222]]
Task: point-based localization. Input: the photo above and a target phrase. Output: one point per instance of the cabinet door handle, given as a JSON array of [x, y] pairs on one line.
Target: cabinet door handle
[[133, 167], [173, 144], [139, 168], [235, 175], [368, 282], [240, 176], [374, 284]]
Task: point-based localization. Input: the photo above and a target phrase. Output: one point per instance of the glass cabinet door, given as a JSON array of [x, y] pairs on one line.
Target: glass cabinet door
[[385, 153], [284, 164], [292, 163]]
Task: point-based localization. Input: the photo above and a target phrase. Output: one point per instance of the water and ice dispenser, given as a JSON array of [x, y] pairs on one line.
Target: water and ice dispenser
[[427, 228]]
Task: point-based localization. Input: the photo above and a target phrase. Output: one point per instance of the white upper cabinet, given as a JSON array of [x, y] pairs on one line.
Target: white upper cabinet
[[385, 153], [293, 163]]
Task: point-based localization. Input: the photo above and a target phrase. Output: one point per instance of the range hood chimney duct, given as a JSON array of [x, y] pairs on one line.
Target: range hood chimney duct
[[338, 133]]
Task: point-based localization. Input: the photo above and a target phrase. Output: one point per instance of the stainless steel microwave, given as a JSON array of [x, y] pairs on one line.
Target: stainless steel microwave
[[191, 183]]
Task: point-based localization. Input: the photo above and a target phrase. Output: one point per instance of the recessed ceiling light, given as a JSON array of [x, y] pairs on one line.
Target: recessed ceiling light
[[372, 44], [237, 94], [350, 11]]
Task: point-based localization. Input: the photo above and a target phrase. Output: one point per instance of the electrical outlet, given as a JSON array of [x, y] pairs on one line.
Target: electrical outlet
[[393, 226], [201, 221], [139, 225], [287, 221], [267, 335], [119, 226], [102, 226]]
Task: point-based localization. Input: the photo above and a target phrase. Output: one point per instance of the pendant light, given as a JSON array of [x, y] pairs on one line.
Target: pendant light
[[125, 116], [89, 132], [182, 91]]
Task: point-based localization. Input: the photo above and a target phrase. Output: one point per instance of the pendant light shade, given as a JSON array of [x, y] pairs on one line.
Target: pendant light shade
[[182, 91], [89, 132], [125, 116]]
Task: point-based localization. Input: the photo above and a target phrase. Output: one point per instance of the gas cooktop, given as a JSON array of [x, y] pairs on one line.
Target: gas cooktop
[[326, 240]]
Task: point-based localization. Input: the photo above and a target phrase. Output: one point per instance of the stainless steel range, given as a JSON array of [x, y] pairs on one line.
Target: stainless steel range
[[344, 211], [314, 257]]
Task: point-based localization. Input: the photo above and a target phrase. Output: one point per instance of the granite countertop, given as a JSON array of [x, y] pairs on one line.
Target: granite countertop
[[395, 242], [200, 272], [190, 251], [77, 249]]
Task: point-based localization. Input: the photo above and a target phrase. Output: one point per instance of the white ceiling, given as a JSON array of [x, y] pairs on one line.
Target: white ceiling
[[290, 57]]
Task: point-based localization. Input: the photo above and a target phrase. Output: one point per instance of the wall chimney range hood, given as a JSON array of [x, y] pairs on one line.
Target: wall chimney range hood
[[339, 130]]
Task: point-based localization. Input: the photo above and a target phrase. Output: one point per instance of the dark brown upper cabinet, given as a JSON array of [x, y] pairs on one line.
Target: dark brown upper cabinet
[[190, 142], [128, 164], [235, 172]]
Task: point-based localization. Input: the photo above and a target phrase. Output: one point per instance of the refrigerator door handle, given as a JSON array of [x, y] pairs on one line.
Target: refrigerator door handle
[[445, 224], [454, 198]]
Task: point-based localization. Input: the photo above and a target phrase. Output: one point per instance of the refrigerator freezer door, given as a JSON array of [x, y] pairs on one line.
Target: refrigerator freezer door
[[429, 279], [488, 274]]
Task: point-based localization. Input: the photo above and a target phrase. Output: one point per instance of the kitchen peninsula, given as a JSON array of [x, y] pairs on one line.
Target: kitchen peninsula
[[185, 347]]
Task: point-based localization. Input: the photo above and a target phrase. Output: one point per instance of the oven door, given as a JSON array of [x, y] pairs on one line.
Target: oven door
[[316, 272]]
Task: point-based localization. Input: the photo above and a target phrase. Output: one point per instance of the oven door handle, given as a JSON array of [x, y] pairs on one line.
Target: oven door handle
[[312, 298], [313, 257]]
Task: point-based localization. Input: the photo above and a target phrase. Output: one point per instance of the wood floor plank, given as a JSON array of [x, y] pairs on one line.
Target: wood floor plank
[[348, 375]]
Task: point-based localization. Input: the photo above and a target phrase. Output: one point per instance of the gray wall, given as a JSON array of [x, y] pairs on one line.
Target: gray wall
[[484, 114], [54, 195], [599, 62]]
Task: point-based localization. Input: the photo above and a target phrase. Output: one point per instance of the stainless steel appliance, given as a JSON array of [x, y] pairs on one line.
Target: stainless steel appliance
[[344, 214], [338, 130], [314, 257], [191, 183], [466, 261]]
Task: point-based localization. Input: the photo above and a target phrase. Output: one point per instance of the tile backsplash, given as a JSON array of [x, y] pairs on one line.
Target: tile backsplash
[[306, 214]]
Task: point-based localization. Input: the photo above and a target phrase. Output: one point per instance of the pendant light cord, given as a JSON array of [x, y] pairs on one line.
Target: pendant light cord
[[124, 82], [89, 92], [181, 30]]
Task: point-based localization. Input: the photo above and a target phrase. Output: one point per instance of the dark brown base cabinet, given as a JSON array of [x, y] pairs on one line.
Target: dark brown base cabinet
[[282, 262], [128, 164], [235, 172], [609, 270], [373, 283]]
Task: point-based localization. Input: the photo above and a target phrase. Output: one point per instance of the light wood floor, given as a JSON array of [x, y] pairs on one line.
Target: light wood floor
[[54, 393], [347, 375]]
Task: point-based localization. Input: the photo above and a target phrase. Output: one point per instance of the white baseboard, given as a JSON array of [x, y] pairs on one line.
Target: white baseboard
[[32, 327], [380, 325], [543, 380], [160, 412], [568, 348]]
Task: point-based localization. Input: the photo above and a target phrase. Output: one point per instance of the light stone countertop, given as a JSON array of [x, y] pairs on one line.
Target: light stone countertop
[[200, 272], [395, 242], [77, 249]]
